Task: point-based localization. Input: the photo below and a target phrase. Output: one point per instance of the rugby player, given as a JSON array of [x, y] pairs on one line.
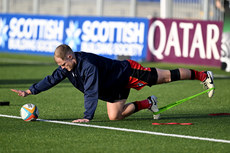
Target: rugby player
[[111, 80]]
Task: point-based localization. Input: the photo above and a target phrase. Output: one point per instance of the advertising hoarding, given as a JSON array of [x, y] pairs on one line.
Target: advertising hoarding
[[106, 36], [110, 37], [31, 34], [140, 39], [184, 41]]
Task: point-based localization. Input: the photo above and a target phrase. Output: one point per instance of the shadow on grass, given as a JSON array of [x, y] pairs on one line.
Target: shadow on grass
[[148, 119], [23, 81], [189, 116], [225, 78], [26, 64], [221, 77]]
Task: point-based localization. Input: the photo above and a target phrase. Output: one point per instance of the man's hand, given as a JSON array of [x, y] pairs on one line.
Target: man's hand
[[80, 120], [21, 92]]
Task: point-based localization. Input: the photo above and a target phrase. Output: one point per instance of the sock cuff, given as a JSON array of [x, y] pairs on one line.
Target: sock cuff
[[175, 75], [192, 74], [136, 107]]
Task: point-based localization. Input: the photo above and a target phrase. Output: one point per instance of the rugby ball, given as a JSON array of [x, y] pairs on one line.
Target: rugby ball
[[29, 112]]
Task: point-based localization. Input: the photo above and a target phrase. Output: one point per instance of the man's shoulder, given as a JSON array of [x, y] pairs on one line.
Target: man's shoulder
[[83, 54], [94, 59], [60, 71]]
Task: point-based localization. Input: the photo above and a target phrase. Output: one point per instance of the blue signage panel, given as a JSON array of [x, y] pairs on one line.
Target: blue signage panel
[[32, 34], [107, 36]]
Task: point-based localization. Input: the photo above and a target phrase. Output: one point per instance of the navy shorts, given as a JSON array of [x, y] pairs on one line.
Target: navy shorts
[[139, 78]]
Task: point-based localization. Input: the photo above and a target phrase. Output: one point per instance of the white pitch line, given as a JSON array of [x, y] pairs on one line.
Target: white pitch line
[[126, 130]]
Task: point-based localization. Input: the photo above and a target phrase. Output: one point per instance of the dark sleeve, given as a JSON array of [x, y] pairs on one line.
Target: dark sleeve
[[90, 92], [48, 82]]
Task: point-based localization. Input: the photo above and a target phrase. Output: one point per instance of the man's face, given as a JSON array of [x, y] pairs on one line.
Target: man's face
[[68, 63]]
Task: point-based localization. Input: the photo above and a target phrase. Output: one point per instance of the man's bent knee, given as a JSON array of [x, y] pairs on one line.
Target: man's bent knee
[[115, 117], [115, 110]]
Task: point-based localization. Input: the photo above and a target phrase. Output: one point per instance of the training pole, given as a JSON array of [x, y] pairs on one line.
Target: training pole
[[162, 109]]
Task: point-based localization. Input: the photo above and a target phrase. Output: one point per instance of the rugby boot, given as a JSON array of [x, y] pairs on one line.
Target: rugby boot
[[152, 99], [208, 83]]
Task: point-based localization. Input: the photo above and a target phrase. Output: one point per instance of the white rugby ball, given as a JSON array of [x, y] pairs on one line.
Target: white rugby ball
[[29, 112]]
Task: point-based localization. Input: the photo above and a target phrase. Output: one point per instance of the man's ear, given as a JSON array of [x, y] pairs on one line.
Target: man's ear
[[70, 57]]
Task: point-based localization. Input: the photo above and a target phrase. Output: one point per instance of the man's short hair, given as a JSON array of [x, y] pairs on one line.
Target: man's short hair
[[62, 51]]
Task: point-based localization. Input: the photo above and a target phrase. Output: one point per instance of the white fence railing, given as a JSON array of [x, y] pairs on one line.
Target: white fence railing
[[183, 9]]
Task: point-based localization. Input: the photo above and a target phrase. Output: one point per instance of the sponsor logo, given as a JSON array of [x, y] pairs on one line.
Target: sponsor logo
[[184, 39], [3, 32], [107, 37], [73, 35], [35, 34], [140, 84]]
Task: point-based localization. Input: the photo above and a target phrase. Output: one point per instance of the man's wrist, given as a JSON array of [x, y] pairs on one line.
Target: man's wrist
[[28, 92]]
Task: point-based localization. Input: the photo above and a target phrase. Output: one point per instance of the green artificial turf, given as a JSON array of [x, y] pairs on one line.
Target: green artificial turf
[[65, 103]]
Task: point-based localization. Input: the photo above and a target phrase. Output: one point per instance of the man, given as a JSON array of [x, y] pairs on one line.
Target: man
[[110, 80]]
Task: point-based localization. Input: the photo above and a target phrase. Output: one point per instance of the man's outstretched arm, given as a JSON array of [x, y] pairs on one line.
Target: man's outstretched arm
[[43, 85]]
